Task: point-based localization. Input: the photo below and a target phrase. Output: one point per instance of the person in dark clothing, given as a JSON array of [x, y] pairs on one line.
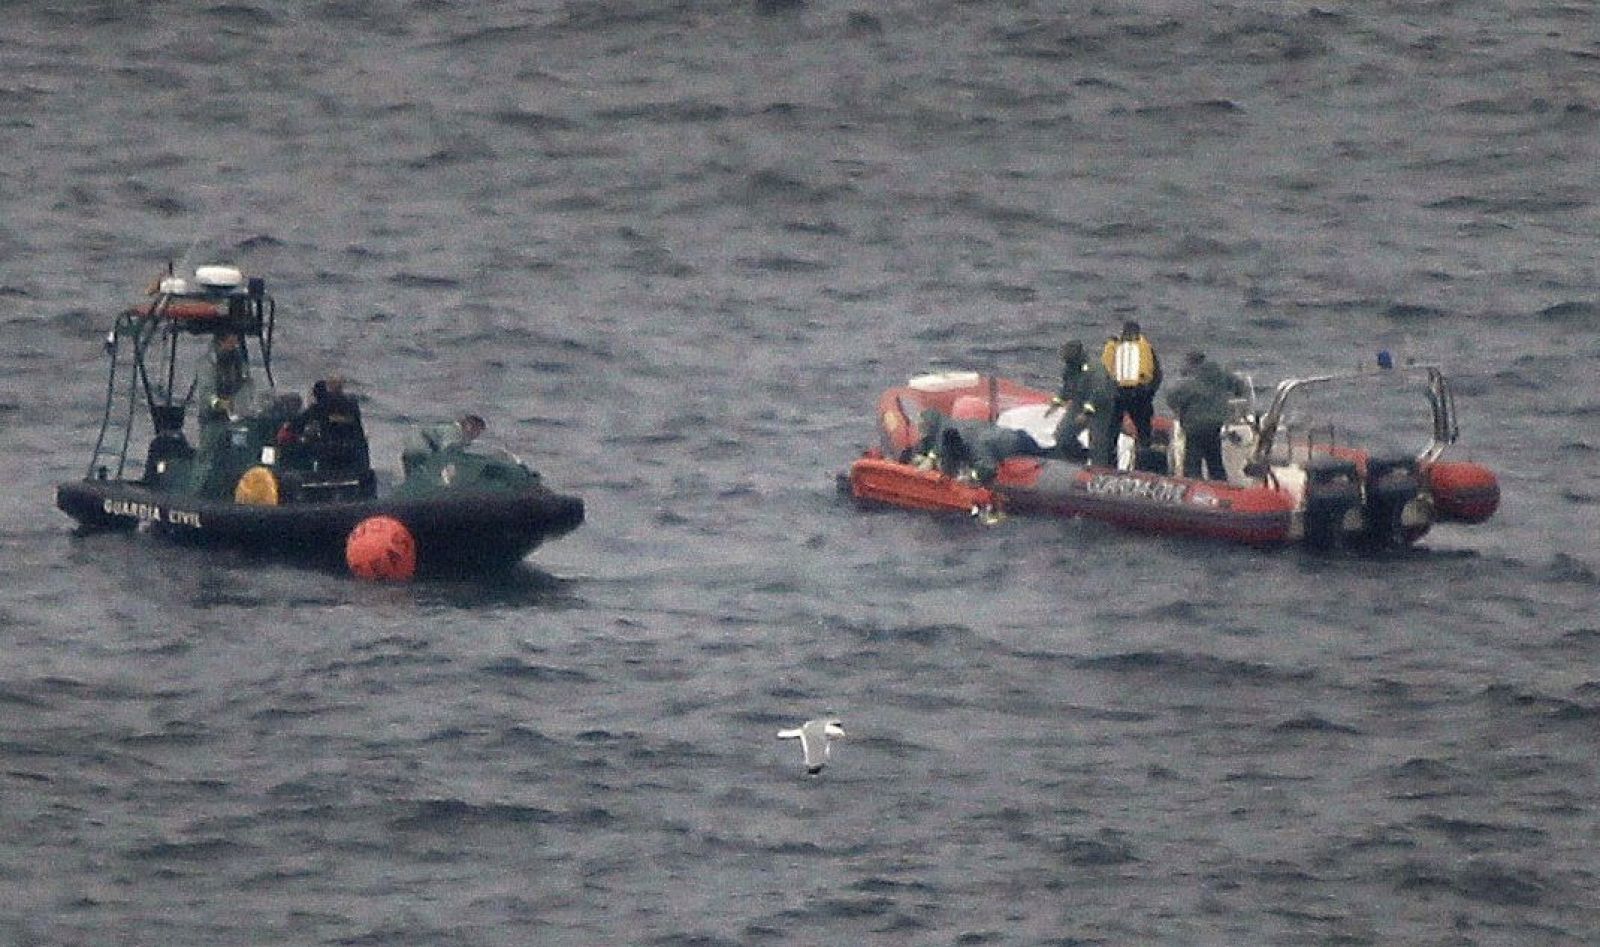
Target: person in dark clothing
[[1087, 399], [332, 422], [972, 450], [1201, 401], [333, 415], [1131, 361]]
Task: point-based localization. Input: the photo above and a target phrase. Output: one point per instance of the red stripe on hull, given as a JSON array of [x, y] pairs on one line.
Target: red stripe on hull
[[1254, 515], [1257, 515]]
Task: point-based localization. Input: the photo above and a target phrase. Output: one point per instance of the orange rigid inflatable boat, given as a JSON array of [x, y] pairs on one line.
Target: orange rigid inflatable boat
[[1296, 471]]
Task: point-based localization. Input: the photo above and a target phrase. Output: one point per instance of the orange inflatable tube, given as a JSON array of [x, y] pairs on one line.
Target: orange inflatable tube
[[1463, 492], [880, 480]]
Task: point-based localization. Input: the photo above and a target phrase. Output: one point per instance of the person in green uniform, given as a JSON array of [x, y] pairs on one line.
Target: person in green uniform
[[453, 435], [1087, 399], [1201, 402]]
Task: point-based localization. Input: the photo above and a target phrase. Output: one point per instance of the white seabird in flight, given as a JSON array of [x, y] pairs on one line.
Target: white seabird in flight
[[814, 736]]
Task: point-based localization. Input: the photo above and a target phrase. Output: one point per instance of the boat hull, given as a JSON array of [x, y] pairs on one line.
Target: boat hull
[[1151, 502], [1260, 516], [453, 532]]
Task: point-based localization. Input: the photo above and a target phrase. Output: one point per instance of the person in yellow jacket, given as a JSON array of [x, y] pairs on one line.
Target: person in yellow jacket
[[1131, 361]]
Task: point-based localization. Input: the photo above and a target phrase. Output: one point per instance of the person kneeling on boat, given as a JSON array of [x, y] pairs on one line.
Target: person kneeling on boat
[[1087, 400], [434, 439], [1201, 401], [969, 450]]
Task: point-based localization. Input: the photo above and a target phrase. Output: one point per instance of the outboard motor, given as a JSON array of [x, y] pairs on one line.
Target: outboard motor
[[1333, 507], [1396, 507]]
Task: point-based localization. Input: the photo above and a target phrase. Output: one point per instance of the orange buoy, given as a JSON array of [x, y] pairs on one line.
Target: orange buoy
[[382, 549]]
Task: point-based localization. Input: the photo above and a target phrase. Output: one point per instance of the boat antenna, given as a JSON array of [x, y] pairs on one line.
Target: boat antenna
[[211, 210], [188, 253]]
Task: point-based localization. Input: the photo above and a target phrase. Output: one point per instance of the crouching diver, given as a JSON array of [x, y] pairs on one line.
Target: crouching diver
[[1086, 400], [969, 450]]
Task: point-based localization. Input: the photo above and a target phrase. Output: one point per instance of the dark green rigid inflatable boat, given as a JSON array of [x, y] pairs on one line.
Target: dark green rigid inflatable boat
[[255, 477]]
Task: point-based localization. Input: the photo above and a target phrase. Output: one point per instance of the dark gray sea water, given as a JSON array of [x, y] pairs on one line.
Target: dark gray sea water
[[673, 250]]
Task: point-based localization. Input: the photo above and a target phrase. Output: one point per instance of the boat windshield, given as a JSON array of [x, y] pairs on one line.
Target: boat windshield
[[1388, 412]]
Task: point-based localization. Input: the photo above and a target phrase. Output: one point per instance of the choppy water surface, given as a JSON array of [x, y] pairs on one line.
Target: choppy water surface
[[673, 250]]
